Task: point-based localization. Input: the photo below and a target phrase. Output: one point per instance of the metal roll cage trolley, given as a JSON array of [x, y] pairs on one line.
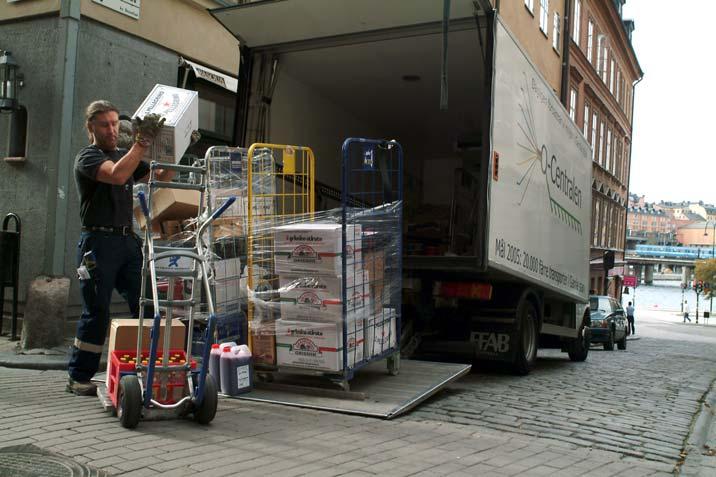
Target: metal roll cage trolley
[[168, 382]]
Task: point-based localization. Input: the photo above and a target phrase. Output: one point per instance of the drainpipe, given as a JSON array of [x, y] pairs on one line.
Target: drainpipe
[[633, 97], [59, 195], [563, 94]]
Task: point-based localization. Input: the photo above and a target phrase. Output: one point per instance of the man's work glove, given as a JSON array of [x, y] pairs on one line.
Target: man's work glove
[[146, 129]]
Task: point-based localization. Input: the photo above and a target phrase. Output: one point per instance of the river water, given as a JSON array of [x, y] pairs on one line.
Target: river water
[[664, 295]]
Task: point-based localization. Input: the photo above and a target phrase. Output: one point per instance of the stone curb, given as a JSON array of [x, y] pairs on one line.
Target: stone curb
[[703, 429], [38, 362]]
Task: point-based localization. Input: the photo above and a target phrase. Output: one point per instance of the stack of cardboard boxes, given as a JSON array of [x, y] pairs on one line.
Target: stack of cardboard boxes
[[308, 259]]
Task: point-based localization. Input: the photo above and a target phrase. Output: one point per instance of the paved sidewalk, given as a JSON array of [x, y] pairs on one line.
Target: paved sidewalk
[[254, 439], [263, 439]]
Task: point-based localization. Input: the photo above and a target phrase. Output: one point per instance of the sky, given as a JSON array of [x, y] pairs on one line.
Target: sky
[[675, 102]]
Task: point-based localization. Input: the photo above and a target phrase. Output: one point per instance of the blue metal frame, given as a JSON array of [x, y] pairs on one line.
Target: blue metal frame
[[369, 181]]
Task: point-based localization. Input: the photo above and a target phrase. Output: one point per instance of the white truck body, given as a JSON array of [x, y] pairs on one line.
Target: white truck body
[[539, 225], [497, 185]]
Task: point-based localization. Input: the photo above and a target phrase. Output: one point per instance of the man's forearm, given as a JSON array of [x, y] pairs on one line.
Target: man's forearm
[[125, 167]]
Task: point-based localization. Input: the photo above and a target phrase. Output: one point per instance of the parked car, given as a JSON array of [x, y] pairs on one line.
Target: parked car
[[609, 323]]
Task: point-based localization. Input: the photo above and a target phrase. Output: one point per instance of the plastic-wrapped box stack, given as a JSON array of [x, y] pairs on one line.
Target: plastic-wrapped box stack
[[313, 292]]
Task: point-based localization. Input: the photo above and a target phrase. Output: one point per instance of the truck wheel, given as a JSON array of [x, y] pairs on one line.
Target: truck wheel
[[609, 345], [578, 348], [526, 352]]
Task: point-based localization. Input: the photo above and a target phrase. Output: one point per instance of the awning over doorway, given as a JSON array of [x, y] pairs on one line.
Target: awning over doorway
[[211, 75]]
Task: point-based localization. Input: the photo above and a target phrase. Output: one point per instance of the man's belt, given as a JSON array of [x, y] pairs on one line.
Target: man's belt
[[124, 230]]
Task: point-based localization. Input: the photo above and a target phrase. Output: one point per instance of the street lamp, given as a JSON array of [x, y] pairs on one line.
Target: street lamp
[[713, 249], [9, 82]]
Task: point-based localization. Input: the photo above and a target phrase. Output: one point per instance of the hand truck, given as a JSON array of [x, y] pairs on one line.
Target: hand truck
[[168, 382]]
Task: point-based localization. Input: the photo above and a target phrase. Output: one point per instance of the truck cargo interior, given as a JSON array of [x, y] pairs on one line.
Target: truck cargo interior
[[388, 89]]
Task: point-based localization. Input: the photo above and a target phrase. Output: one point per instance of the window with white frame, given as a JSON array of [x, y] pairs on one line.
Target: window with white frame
[[573, 104], [608, 151], [544, 15], [576, 30], [602, 140], [618, 86], [600, 51], [605, 223], [594, 136], [611, 76], [605, 62], [556, 32], [597, 216], [585, 120], [530, 5], [590, 40]]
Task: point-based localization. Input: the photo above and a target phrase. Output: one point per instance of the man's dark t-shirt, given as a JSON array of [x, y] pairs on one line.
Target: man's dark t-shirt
[[101, 204]]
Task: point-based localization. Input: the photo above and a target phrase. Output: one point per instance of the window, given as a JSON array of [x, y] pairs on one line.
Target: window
[[594, 136], [544, 15], [600, 46], [608, 151], [600, 141], [573, 104], [597, 216], [618, 86], [605, 63], [585, 120], [611, 77], [576, 30], [556, 32], [590, 39], [530, 5], [606, 219]]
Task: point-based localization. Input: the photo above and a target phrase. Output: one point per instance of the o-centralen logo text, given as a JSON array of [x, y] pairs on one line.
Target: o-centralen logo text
[[562, 189]]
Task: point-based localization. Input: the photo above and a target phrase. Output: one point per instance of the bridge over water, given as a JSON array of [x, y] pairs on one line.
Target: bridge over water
[[646, 258]]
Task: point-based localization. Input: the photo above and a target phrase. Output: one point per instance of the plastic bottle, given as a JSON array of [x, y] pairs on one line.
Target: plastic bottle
[[244, 369], [228, 380], [214, 367]]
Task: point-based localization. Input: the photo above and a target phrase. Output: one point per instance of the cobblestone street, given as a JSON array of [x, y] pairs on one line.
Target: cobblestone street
[[621, 412]]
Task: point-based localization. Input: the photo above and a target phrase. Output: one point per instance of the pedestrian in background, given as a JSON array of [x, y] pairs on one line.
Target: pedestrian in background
[[686, 311], [630, 319], [109, 254]]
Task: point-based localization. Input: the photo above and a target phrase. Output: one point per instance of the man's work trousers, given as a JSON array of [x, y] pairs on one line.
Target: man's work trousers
[[118, 266]]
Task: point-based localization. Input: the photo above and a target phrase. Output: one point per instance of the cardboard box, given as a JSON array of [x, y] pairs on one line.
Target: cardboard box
[[180, 108], [123, 335], [170, 204], [320, 297], [316, 248], [171, 228], [374, 264], [317, 346], [380, 333], [263, 343]]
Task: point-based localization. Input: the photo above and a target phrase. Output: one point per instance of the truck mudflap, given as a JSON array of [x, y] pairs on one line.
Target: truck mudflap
[[495, 342]]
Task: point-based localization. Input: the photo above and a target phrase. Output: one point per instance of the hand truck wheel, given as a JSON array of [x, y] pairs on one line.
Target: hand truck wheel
[[204, 413], [129, 404]]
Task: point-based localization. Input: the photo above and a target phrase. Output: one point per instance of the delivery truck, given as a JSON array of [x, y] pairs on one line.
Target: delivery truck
[[497, 177]]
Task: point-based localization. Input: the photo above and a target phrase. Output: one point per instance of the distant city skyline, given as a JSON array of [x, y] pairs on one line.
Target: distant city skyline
[[672, 109], [657, 200]]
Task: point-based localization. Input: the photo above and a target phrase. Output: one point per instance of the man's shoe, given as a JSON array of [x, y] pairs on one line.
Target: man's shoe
[[81, 388]]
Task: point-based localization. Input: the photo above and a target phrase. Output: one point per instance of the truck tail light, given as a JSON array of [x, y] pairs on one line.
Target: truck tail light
[[472, 290]]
